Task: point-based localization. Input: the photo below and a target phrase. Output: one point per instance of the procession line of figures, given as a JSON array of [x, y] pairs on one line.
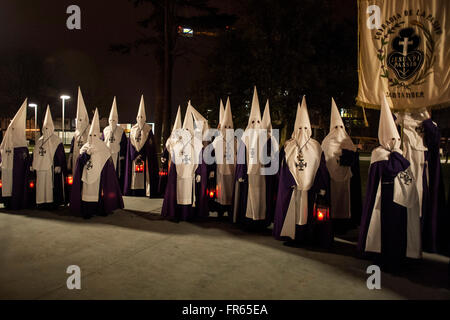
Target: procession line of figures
[[315, 192]]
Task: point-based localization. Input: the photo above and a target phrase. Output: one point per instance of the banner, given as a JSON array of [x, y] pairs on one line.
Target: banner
[[404, 53]]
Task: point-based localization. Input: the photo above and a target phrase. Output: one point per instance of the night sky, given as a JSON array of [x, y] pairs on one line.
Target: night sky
[[39, 27]]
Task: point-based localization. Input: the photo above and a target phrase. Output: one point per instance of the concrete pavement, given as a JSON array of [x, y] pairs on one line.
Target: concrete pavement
[[134, 254]]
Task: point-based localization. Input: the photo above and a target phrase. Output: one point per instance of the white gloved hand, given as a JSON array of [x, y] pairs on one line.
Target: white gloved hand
[[163, 160], [240, 180], [198, 178], [57, 169], [211, 174]]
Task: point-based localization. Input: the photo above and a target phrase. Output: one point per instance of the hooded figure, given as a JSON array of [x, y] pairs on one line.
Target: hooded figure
[[390, 223], [271, 150], [15, 162], [221, 112], [49, 162], [224, 169], [81, 132], [116, 141], [141, 175], [420, 145], [343, 165], [250, 202], [165, 157], [185, 196], [303, 185], [95, 187]]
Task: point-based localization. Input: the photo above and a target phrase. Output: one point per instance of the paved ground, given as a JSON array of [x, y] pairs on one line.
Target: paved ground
[[133, 254]]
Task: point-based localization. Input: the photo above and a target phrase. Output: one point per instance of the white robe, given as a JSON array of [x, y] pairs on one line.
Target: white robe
[[114, 144], [297, 213], [43, 164], [225, 170]]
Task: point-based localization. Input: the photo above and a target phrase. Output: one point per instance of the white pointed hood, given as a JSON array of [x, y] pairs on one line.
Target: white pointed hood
[[266, 120], [336, 140], [82, 118], [48, 127], [14, 136], [176, 127], [200, 122], [98, 151], [227, 121], [388, 135], [335, 119], [94, 131], [302, 128], [254, 119], [141, 116], [113, 115], [221, 113]]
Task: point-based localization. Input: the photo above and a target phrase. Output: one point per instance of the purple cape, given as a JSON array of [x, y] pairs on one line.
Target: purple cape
[[312, 233], [240, 196], [393, 216], [435, 231], [176, 212], [147, 152], [21, 173], [122, 154], [110, 197]]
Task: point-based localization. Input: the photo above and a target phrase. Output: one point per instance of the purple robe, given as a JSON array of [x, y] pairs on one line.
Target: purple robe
[[162, 183], [175, 212], [435, 231], [122, 153], [311, 233], [59, 160], [393, 215], [148, 154], [21, 172], [240, 197], [110, 196], [351, 159]]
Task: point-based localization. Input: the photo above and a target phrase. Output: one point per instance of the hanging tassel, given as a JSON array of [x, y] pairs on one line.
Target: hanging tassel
[[366, 123]]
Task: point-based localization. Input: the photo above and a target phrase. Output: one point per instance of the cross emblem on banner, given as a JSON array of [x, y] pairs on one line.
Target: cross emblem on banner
[[42, 151], [89, 165], [405, 43]]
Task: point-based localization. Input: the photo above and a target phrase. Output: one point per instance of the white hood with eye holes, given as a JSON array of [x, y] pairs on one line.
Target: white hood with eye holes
[[98, 151], [336, 140], [252, 135]]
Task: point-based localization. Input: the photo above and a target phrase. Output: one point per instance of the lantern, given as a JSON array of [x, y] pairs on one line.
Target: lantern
[[321, 211], [139, 166], [211, 193], [1, 184], [31, 184], [69, 180]]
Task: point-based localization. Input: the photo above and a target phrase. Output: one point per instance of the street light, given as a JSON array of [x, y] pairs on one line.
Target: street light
[[34, 105], [63, 98]]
